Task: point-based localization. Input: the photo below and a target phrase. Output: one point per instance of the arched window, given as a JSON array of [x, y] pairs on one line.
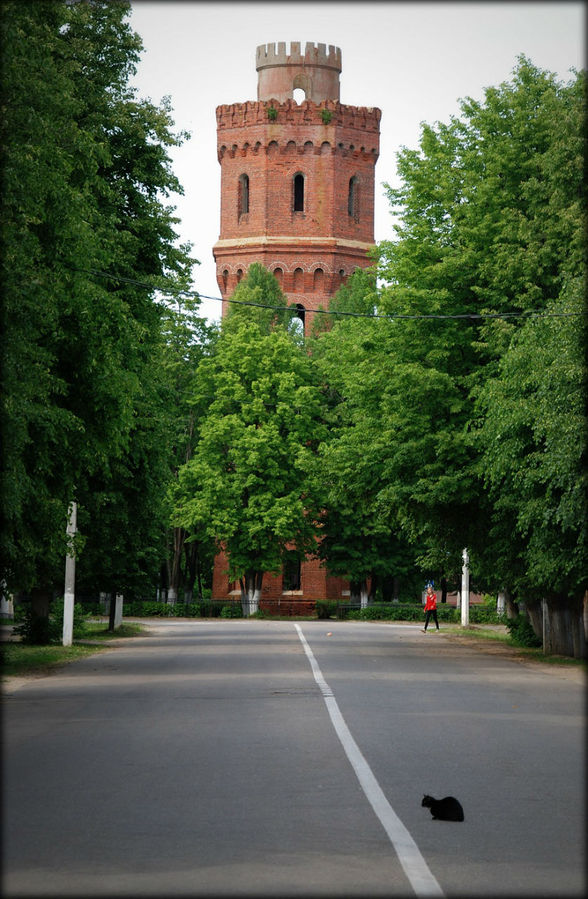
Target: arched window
[[353, 198], [299, 192], [225, 279], [298, 280], [243, 195], [279, 274], [239, 274], [318, 281]]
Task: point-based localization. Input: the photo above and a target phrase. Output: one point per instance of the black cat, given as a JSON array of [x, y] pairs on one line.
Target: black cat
[[448, 809]]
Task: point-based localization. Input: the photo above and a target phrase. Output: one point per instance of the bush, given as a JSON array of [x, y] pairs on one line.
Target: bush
[[486, 614], [233, 610], [522, 633], [326, 609], [35, 631], [32, 630]]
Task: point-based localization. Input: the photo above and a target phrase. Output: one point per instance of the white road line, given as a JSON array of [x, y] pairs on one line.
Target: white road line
[[415, 867]]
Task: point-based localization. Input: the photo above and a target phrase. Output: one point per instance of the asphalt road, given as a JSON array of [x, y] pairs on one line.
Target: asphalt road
[[244, 758]]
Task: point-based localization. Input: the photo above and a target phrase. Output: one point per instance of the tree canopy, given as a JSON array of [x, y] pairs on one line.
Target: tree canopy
[[85, 225], [247, 484]]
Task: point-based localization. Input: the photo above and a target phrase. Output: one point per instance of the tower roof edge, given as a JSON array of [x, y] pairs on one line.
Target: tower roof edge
[[273, 54]]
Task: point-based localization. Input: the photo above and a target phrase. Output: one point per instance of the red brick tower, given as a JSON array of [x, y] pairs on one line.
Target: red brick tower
[[297, 195], [297, 180]]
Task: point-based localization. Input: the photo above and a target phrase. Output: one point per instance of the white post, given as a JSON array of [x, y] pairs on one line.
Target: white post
[[363, 593], [118, 610], [6, 602], [70, 578], [465, 590], [501, 603]]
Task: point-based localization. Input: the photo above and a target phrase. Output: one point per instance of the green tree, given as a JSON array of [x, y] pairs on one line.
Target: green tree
[[259, 298], [393, 495], [247, 484], [188, 339], [533, 441], [492, 213], [84, 180]]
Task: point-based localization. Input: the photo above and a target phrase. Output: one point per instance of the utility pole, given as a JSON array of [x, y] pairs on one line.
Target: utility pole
[[70, 577], [465, 590]]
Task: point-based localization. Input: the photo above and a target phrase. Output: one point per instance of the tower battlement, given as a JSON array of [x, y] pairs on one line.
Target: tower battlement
[[289, 113], [282, 69], [314, 55]]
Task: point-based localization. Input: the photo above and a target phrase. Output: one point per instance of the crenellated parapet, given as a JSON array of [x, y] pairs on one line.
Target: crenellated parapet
[[312, 124], [314, 55]]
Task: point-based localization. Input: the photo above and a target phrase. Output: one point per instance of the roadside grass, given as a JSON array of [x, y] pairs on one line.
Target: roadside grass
[[485, 633], [98, 630], [19, 660]]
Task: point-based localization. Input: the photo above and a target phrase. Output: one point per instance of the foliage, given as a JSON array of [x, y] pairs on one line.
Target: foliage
[[258, 299], [85, 178], [247, 485], [326, 609], [521, 632], [492, 216], [33, 630], [200, 609], [533, 440], [406, 612]]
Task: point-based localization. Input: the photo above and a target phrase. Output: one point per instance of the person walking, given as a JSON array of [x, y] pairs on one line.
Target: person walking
[[430, 608]]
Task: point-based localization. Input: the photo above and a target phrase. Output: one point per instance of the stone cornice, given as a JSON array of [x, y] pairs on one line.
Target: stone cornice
[[292, 244]]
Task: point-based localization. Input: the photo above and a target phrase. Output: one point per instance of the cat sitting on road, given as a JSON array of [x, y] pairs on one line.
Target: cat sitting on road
[[448, 809]]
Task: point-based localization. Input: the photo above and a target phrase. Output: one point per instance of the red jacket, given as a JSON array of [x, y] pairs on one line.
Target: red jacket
[[431, 602]]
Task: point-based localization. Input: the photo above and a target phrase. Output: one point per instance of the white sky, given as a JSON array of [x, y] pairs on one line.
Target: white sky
[[413, 60]]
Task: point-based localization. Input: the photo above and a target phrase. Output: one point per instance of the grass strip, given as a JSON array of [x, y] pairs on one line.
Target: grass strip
[[20, 660], [479, 632]]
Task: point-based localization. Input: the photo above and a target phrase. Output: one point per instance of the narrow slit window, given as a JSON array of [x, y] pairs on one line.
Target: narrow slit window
[[353, 198], [243, 195], [299, 193]]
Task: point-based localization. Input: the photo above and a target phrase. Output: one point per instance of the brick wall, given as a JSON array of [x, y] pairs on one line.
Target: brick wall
[[324, 236]]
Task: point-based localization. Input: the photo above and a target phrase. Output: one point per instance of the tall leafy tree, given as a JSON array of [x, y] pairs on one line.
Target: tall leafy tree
[[85, 175], [188, 340], [247, 485], [533, 442], [492, 221]]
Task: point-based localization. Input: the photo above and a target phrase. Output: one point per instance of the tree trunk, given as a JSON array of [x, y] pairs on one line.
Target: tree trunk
[[112, 610], [191, 554], [512, 609], [251, 592], [364, 594], [40, 601], [395, 589], [358, 593], [535, 615], [175, 567], [565, 627]]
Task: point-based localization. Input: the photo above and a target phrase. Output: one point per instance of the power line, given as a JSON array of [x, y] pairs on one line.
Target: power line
[[392, 316]]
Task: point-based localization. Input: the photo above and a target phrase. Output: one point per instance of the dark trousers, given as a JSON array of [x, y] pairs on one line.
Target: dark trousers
[[431, 613]]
